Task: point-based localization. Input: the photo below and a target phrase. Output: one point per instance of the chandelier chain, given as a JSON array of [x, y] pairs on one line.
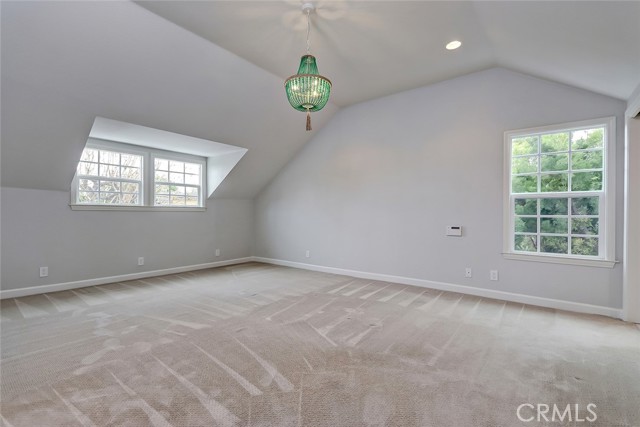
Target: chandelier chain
[[308, 32]]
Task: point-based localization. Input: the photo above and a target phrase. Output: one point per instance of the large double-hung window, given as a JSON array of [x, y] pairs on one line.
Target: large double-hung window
[[559, 193], [121, 176]]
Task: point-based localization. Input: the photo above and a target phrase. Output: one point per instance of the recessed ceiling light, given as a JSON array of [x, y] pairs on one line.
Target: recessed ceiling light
[[453, 45]]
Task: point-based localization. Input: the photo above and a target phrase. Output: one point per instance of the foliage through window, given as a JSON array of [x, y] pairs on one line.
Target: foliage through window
[[559, 190], [114, 174]]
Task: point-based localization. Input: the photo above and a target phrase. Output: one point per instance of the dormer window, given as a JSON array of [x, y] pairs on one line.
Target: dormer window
[[117, 175]]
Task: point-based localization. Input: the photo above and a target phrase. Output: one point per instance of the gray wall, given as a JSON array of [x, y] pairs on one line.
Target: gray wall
[[375, 188], [39, 229]]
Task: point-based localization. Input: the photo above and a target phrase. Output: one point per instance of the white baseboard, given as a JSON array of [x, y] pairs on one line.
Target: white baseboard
[[485, 293], [480, 292], [34, 290]]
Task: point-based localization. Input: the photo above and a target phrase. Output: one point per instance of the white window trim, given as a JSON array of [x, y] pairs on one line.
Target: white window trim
[[185, 158], [148, 175], [607, 216]]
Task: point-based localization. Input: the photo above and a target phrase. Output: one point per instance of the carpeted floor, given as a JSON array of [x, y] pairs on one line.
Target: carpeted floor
[[261, 345]]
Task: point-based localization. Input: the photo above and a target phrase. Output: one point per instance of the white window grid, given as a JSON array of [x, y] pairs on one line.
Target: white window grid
[[570, 196], [605, 195], [569, 171], [146, 183], [183, 184], [101, 179]]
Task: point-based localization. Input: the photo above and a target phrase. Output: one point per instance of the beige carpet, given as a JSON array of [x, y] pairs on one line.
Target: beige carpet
[[260, 345]]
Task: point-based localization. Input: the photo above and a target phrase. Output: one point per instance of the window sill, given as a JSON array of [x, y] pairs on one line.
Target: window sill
[[135, 208], [601, 263]]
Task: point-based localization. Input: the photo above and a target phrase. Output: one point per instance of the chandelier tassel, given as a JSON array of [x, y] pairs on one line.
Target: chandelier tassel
[[308, 120]]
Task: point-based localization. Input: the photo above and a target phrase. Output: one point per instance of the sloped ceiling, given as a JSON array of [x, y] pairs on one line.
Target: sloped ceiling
[[64, 63], [215, 69]]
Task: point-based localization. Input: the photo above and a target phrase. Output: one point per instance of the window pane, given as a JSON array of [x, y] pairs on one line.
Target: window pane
[[192, 179], [524, 145], [87, 185], [162, 176], [584, 225], [85, 168], [554, 225], [110, 198], [110, 157], [553, 206], [554, 245], [586, 181], [161, 164], [87, 197], [554, 162], [555, 142], [177, 178], [192, 201], [554, 182], [524, 184], [177, 200], [526, 225], [131, 173], [589, 138], [162, 201], [525, 243], [585, 206], [162, 189], [526, 206], [129, 199], [586, 160], [109, 171], [130, 187], [193, 168], [584, 246], [110, 186], [178, 190], [524, 164], [132, 160], [175, 166], [89, 155], [192, 191]]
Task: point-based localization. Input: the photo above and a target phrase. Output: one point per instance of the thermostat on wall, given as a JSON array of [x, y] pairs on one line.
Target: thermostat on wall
[[454, 230]]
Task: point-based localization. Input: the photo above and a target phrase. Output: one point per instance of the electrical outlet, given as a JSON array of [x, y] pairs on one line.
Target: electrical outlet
[[493, 275], [308, 254], [467, 272], [44, 271], [217, 252], [141, 260]]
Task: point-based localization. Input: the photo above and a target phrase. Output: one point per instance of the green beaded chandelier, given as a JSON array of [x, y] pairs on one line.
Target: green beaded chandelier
[[308, 90]]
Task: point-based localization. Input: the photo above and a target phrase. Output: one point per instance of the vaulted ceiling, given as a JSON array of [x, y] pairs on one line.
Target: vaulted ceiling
[[214, 70], [374, 48]]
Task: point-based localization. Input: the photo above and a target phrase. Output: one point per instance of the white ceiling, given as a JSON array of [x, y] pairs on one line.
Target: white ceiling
[[370, 49]]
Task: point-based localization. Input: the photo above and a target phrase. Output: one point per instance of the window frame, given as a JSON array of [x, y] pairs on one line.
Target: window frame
[[606, 213], [120, 149], [181, 158], [147, 196]]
